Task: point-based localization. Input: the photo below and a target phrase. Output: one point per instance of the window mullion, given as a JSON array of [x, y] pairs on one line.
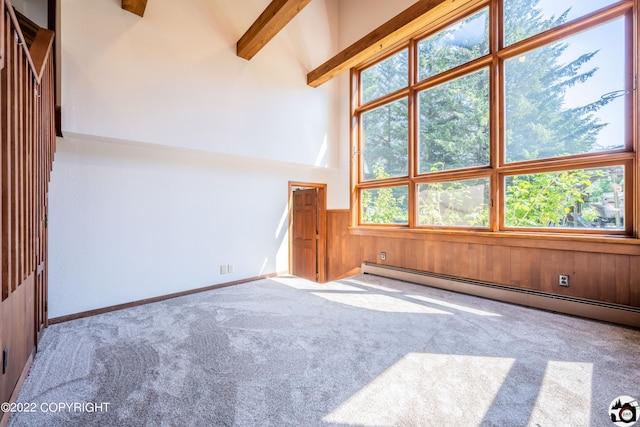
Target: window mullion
[[447, 111], [413, 134], [355, 146], [495, 115]]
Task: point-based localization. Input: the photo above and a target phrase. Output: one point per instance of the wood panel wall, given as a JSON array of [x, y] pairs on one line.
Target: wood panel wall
[[607, 272], [27, 129], [343, 249]]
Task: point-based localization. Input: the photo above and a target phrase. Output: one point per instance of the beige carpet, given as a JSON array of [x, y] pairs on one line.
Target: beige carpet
[[365, 351]]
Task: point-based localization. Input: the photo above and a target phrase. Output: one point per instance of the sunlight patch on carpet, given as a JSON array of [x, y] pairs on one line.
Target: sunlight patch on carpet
[[454, 306], [308, 285], [422, 387], [370, 285], [565, 394], [381, 303]]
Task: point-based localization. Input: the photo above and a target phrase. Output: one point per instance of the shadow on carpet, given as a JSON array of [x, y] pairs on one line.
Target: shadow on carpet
[[363, 351]]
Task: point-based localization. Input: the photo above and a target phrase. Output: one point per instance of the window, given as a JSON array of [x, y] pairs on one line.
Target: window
[[523, 124], [456, 203], [454, 124], [522, 21], [385, 205], [385, 77], [586, 198], [385, 141], [565, 113], [458, 44]]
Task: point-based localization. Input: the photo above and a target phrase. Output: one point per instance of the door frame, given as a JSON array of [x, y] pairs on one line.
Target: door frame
[[321, 247]]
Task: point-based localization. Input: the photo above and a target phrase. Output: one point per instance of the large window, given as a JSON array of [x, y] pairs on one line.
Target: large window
[[522, 124]]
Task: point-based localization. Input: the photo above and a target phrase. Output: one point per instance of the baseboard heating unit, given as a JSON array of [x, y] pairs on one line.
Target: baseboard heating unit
[[614, 313]]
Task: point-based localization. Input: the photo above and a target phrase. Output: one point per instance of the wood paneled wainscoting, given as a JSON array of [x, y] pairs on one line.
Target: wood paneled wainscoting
[[599, 269], [27, 124]]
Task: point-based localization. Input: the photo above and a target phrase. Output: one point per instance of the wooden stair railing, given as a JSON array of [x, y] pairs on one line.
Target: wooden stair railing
[[28, 27], [27, 129]]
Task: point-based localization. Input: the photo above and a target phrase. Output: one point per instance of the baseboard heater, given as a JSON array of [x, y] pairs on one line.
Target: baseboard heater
[[614, 313]]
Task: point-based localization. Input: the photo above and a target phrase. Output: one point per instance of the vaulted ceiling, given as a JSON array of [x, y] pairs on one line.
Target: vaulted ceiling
[[384, 38], [274, 18]]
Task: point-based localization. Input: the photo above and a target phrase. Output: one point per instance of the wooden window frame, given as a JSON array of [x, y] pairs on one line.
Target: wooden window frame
[[498, 168]]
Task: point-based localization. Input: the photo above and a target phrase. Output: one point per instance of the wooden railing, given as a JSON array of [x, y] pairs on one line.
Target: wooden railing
[[27, 129]]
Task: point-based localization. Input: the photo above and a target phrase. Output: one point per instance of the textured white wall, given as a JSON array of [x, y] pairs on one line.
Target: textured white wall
[[177, 153], [128, 222], [173, 78], [35, 10], [357, 18]]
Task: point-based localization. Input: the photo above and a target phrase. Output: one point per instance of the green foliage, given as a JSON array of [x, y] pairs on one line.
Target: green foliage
[[456, 203], [544, 199], [386, 135], [454, 117], [455, 45], [385, 129], [590, 214], [385, 77], [564, 198], [538, 124], [454, 123], [384, 205]]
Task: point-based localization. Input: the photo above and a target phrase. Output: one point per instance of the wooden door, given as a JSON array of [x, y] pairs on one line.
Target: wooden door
[[305, 234]]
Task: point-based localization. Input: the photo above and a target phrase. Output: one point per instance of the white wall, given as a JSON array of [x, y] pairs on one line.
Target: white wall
[[35, 10], [173, 78], [177, 153], [133, 221], [357, 18]]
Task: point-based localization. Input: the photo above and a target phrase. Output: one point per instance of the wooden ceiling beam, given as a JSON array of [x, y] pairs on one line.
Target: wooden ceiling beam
[[399, 29], [269, 23], [135, 6]]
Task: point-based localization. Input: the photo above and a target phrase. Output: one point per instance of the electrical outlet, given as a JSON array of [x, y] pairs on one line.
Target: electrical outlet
[[563, 280], [223, 269], [229, 268], [383, 256]]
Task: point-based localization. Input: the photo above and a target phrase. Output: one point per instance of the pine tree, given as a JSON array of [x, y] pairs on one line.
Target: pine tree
[[453, 127], [537, 125], [454, 117], [385, 129]]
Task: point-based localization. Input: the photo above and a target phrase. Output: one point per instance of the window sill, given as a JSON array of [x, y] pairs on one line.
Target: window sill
[[621, 245]]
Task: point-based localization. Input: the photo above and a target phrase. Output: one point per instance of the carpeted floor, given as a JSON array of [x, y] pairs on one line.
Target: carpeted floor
[[365, 351]]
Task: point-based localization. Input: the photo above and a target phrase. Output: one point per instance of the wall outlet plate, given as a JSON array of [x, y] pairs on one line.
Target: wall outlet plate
[[563, 280], [383, 256]]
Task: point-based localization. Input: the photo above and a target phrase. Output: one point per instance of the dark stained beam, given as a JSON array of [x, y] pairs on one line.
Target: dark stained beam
[[269, 23], [416, 18], [135, 6]]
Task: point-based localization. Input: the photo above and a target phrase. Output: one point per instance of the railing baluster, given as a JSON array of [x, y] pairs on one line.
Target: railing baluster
[[21, 69], [27, 129], [27, 132], [4, 91], [7, 279]]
